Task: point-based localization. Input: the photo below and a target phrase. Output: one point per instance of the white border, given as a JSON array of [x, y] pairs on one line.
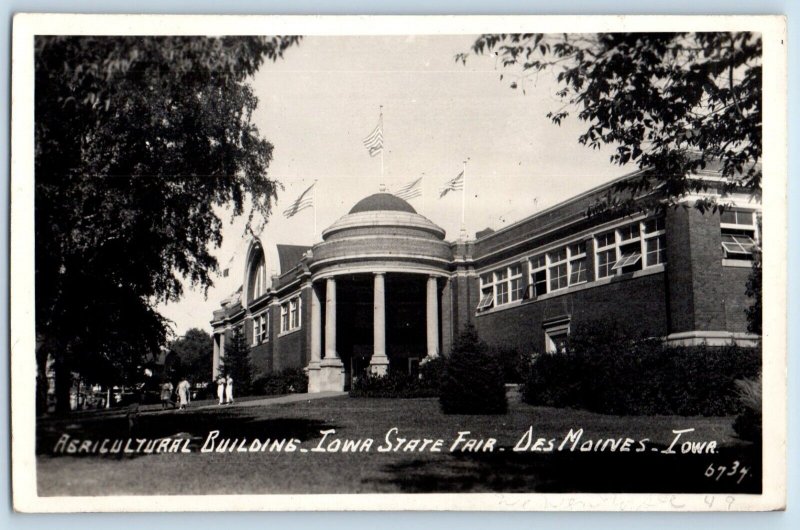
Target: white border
[[22, 255]]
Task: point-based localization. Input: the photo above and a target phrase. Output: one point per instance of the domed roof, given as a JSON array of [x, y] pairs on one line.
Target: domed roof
[[381, 202]]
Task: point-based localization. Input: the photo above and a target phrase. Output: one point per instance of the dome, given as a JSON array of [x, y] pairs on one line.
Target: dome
[[382, 202]]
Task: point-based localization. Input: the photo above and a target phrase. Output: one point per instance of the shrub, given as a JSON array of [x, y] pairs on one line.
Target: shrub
[[400, 384], [607, 371], [473, 380], [748, 423], [514, 363], [287, 381]]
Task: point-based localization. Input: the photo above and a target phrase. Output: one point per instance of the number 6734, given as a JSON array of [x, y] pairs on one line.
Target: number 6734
[[717, 471]]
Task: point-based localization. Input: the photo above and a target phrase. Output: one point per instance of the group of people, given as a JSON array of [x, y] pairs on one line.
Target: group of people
[[225, 390], [182, 393]]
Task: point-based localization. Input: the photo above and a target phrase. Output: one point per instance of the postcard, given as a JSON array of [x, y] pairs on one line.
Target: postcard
[[398, 263]]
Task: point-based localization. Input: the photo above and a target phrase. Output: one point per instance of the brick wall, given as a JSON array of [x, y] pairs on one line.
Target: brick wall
[[694, 269], [734, 280], [638, 304]]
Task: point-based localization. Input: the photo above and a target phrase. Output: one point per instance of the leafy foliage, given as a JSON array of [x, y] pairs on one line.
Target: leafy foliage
[[671, 103], [615, 373], [402, 385], [287, 381], [753, 290], [237, 362], [195, 351], [137, 140], [748, 423], [473, 381]]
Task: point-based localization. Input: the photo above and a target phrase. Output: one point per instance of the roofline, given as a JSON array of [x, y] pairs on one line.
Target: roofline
[[564, 202]]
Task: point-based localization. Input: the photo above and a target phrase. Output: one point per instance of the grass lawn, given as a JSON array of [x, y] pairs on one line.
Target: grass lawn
[[506, 470]]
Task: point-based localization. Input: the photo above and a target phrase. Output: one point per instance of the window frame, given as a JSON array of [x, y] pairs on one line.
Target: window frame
[[739, 230]]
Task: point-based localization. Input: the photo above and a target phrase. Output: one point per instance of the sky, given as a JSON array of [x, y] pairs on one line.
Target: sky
[[318, 103]]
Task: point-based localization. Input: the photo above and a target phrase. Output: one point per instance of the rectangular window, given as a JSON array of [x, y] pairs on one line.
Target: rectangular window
[[738, 229], [538, 285], [577, 263], [630, 258], [515, 282], [556, 334], [265, 327], [558, 276], [501, 293], [655, 251], [284, 317], [256, 330], [487, 298], [291, 311], [606, 254]]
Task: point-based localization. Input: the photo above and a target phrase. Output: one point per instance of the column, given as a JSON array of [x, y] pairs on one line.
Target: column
[[215, 358], [330, 319], [432, 320], [379, 363], [316, 341], [331, 373]]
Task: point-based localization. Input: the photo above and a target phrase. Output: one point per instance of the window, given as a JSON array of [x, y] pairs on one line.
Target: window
[[487, 292], [501, 287], [261, 328], [631, 248], [577, 263], [558, 268], [738, 229], [258, 279], [556, 333], [515, 282], [291, 314], [539, 275]]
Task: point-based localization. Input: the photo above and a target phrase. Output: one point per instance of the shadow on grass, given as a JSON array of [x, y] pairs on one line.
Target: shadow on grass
[[568, 472], [195, 426]]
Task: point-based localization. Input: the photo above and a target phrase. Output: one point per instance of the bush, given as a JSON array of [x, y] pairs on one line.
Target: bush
[[515, 364], [748, 423], [473, 379], [402, 385], [287, 381], [609, 372]]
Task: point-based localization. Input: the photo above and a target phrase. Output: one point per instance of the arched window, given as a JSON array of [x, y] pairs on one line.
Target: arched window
[[258, 277]]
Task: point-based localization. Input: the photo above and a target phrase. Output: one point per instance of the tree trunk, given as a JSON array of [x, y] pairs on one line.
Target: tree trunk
[[63, 384]]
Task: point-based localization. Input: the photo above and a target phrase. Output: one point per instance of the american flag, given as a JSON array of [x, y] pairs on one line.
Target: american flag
[[374, 142], [303, 201], [454, 184], [410, 190]]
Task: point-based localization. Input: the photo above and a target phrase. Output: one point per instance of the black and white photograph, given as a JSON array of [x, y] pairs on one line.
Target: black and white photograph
[[288, 263]]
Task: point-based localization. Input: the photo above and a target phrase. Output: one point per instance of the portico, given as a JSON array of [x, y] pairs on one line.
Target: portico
[[377, 278], [373, 322]]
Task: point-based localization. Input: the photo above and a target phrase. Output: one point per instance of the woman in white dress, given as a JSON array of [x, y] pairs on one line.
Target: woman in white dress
[[229, 390], [221, 390], [183, 393]]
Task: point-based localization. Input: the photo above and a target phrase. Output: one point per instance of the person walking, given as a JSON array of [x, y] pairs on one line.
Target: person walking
[[221, 390], [166, 395], [229, 391], [183, 393]]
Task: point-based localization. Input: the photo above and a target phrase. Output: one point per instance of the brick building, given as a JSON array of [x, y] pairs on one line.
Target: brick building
[[384, 288]]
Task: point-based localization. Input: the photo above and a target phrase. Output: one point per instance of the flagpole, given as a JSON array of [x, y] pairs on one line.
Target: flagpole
[[463, 202], [314, 235], [382, 187]]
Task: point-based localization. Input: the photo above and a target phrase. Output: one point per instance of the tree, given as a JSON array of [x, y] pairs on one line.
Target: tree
[[195, 350], [473, 378], [138, 139], [237, 362], [670, 103]]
